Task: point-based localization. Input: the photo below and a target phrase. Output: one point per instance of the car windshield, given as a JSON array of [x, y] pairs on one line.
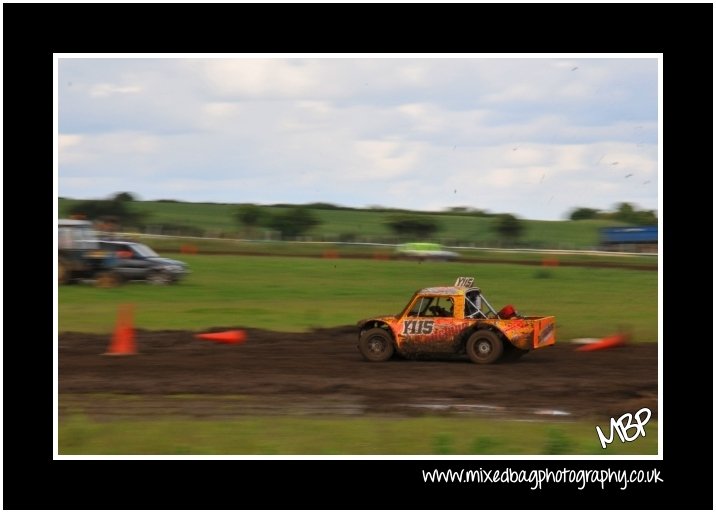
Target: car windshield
[[420, 306], [432, 306], [144, 251]]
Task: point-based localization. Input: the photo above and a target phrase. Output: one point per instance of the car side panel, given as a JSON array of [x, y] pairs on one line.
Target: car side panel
[[430, 334], [136, 268]]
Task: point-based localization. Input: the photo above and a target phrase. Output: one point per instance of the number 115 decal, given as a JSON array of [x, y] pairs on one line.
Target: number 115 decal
[[418, 327]]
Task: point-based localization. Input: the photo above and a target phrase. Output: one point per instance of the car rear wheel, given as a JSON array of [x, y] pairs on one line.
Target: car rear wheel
[[484, 346], [376, 345]]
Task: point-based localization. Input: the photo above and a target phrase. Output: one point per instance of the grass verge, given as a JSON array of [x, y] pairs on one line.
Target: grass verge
[[340, 436]]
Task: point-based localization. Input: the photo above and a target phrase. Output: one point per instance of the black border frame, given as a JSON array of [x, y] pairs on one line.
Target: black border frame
[[33, 32]]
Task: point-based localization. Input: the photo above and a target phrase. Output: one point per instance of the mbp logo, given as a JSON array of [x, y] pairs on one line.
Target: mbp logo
[[623, 425]]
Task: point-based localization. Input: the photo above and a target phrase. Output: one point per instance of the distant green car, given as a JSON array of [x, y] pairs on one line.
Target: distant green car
[[425, 251]]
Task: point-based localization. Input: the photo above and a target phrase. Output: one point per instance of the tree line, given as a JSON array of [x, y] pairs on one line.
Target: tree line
[[299, 220], [294, 221], [624, 212]]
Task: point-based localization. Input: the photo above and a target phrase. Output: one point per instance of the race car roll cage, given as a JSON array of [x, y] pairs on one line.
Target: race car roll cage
[[476, 305]]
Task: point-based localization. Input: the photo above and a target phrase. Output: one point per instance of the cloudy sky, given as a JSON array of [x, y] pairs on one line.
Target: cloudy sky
[[532, 136]]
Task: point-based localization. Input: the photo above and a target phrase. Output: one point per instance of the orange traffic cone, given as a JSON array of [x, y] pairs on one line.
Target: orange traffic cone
[[225, 337], [123, 340], [606, 343]]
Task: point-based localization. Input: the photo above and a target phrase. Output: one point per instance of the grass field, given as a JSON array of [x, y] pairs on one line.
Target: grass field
[[341, 436], [218, 220], [297, 294]]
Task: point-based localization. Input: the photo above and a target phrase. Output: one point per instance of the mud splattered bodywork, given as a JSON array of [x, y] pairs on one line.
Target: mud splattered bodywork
[[456, 320]]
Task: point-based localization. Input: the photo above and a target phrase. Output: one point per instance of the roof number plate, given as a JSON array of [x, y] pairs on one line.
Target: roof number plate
[[464, 281]]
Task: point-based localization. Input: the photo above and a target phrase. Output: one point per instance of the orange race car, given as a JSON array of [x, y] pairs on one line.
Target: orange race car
[[454, 320]]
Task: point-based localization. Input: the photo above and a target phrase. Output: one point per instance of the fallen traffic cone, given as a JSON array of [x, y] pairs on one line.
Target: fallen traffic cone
[[123, 340], [606, 343], [225, 337]]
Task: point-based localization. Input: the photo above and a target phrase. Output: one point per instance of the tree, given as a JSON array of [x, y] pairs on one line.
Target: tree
[[294, 222], [250, 216], [508, 226], [411, 225], [626, 213], [124, 196], [646, 218], [117, 212], [581, 213]]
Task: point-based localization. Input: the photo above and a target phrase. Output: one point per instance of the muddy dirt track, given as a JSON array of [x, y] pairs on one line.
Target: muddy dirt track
[[322, 373]]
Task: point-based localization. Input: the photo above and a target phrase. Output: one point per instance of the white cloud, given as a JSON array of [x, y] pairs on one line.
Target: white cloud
[[67, 141], [383, 160], [417, 74], [123, 144], [69, 148], [425, 118], [103, 90], [261, 77], [221, 110]]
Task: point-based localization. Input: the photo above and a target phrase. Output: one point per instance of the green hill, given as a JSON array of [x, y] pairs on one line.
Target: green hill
[[368, 225]]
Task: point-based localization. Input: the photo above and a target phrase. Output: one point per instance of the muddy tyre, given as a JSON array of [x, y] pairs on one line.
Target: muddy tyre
[[376, 345], [484, 346]]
